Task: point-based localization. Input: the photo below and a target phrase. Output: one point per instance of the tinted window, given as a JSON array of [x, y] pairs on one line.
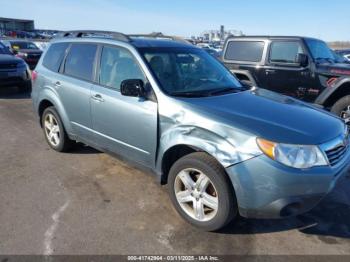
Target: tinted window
[[80, 61], [54, 56], [117, 65], [285, 52], [245, 51]]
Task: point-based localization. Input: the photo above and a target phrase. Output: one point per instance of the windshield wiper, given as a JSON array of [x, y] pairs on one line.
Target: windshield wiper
[[212, 92], [226, 90], [189, 94]]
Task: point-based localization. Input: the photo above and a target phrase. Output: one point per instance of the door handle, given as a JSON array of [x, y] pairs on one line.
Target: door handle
[[58, 84], [270, 71], [98, 97]]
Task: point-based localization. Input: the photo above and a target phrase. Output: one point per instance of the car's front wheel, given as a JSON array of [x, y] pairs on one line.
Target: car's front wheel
[[342, 108], [54, 131], [201, 192]]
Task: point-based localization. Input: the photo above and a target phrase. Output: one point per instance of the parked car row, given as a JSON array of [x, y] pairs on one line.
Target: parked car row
[[222, 147], [24, 49], [344, 53], [13, 70]]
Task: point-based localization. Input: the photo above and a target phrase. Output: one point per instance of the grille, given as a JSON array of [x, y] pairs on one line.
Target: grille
[[336, 154], [8, 66]]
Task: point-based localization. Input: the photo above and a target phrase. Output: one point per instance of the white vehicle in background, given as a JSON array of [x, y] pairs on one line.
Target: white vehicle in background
[[210, 46]]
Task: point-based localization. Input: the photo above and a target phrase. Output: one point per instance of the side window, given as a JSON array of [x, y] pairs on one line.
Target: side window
[[285, 52], [118, 64], [250, 51], [80, 61], [54, 56]]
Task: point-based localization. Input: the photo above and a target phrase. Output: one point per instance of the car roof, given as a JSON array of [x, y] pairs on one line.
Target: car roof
[[157, 40], [271, 37]]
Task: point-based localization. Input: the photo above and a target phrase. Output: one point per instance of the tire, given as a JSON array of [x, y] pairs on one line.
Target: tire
[[341, 108], [219, 189], [59, 140]]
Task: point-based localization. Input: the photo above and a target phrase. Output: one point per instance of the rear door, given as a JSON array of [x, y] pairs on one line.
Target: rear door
[[74, 87], [282, 73], [124, 125]]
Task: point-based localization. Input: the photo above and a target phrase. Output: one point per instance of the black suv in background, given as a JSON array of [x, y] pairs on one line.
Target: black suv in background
[[302, 67], [26, 50], [13, 70]]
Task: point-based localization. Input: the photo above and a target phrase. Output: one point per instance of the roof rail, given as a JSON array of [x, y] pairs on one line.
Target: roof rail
[[160, 35], [95, 33]]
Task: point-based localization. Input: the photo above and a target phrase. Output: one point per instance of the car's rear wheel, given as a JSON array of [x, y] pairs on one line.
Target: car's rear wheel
[[201, 192], [342, 108], [54, 131]]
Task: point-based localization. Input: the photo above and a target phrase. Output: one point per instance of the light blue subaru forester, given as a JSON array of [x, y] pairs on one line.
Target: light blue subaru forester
[[173, 109]]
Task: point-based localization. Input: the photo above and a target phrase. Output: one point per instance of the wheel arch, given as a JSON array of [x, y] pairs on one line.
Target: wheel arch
[[332, 95], [49, 98], [184, 140]]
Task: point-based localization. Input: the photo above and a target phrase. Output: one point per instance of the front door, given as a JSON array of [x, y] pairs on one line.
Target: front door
[[123, 125], [283, 74]]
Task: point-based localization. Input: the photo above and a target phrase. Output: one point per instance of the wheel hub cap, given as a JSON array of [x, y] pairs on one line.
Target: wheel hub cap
[[52, 129], [345, 114], [196, 194]]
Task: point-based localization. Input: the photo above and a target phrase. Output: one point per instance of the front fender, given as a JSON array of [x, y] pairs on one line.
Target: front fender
[[327, 92], [226, 152], [51, 95]]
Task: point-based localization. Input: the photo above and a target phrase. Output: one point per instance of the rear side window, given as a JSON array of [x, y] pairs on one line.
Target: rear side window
[[80, 61], [250, 51], [54, 56], [285, 52]]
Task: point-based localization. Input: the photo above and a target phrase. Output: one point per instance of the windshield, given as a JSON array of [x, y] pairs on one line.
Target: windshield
[[189, 72], [23, 45], [320, 51]]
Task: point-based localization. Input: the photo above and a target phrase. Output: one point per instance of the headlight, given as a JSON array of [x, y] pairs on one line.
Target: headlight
[[297, 156]]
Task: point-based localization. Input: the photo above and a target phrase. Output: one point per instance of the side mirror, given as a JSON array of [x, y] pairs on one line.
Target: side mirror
[[132, 87], [302, 60]]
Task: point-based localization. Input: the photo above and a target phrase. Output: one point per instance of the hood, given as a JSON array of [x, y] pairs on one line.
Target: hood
[[271, 116], [338, 69], [6, 59]]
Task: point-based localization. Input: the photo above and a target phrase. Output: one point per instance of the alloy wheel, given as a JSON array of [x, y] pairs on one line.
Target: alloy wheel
[[52, 129], [196, 194]]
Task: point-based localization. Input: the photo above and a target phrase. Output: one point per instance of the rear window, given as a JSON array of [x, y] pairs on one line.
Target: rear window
[[80, 61], [250, 51], [54, 56]]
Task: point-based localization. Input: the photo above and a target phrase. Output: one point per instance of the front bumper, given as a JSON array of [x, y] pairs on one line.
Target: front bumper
[[14, 77], [267, 189]]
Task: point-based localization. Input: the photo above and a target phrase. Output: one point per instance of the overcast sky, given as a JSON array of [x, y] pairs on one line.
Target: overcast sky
[[326, 19]]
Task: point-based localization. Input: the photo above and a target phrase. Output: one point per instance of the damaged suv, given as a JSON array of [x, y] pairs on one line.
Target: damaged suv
[[173, 109]]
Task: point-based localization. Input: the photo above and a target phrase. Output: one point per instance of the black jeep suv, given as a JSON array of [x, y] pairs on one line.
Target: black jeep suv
[[302, 67]]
